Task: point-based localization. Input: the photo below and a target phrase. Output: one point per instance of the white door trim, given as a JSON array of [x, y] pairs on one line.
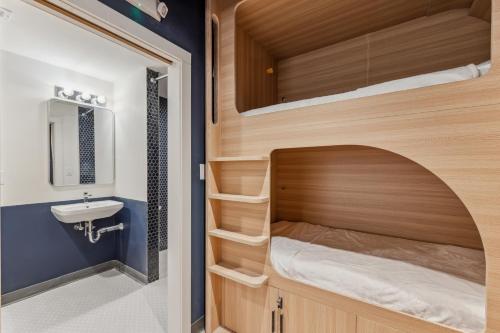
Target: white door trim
[[179, 144]]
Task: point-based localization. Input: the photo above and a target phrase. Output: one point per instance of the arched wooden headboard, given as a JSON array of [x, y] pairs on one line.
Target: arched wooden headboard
[[371, 190]]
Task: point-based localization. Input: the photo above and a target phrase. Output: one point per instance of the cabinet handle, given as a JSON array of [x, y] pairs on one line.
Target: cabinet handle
[[273, 323], [281, 323]]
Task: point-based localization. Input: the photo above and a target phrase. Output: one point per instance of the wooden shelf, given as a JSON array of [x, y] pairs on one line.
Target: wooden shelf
[[221, 329], [239, 237], [240, 158], [236, 276], [239, 198]]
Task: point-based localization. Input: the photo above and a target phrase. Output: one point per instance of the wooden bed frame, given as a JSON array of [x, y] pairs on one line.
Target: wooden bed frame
[[450, 130]]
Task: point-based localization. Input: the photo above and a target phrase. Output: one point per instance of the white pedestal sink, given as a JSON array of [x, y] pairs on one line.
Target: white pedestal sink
[[86, 212]]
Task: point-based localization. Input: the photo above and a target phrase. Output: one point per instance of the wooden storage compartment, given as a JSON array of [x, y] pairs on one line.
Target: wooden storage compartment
[[290, 50]]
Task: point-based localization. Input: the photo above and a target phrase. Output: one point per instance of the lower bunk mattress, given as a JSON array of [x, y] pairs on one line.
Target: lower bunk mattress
[[443, 284]]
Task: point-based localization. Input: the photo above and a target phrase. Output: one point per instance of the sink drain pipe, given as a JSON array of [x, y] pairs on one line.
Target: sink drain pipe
[[89, 231]]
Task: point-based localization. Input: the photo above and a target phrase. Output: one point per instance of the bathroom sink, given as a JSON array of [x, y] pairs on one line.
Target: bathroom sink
[[89, 211]]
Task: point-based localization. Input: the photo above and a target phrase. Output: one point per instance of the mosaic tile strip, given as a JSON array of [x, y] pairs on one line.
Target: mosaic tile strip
[[86, 141], [153, 109], [163, 175]]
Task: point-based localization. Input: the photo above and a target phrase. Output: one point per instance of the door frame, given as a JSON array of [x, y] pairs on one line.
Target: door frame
[[98, 18]]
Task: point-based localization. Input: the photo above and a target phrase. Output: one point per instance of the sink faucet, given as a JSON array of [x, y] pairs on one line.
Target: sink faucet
[[86, 197]]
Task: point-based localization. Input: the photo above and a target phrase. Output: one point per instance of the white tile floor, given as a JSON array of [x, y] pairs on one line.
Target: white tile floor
[[105, 303]]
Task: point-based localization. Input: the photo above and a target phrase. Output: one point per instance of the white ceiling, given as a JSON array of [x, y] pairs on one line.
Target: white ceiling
[[36, 34]]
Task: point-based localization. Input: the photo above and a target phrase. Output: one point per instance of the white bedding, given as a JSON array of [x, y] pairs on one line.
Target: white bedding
[[451, 75], [416, 290]]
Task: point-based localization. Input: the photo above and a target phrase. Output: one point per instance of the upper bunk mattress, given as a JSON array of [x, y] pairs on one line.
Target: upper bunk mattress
[[443, 284]]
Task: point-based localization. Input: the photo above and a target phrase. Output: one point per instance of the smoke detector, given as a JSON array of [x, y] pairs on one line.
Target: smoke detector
[[5, 14]]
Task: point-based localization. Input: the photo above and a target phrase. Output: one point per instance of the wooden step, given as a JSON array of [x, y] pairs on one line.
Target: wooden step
[[239, 198], [256, 281], [239, 237], [240, 158]]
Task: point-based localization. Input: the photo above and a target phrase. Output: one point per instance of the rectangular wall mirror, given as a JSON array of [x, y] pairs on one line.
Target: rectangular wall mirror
[[81, 144]]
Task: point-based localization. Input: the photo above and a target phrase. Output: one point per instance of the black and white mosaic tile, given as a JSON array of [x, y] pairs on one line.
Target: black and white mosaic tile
[[163, 175], [153, 110], [86, 142]]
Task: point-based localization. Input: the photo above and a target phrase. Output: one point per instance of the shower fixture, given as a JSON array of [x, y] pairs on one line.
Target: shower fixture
[[156, 79]]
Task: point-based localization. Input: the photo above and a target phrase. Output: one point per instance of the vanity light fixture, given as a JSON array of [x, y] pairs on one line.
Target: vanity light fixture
[[83, 97], [79, 96], [98, 100], [65, 93]]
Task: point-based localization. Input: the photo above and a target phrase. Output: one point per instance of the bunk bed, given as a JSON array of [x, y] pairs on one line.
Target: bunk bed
[[352, 166]]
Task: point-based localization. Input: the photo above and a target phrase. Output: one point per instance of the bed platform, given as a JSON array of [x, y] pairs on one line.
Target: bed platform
[[440, 283], [353, 170]]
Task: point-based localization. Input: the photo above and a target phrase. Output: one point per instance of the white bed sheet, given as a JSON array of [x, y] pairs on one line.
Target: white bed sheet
[[432, 295], [468, 72]]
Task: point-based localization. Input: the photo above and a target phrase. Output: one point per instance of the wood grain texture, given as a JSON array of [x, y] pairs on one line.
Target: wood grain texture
[[254, 308], [369, 190], [424, 45], [443, 41], [330, 70], [369, 326], [288, 28], [305, 315], [256, 87], [453, 130], [481, 9]]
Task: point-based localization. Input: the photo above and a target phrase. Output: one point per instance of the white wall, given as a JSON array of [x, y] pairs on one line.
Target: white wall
[[130, 133], [27, 85]]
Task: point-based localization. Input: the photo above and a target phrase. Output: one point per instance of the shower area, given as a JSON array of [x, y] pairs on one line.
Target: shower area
[[157, 177]]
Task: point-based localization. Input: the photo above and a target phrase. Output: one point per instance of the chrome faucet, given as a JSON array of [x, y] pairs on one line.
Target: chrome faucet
[[86, 197]]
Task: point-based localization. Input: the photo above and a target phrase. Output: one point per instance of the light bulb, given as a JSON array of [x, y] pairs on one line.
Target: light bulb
[[84, 97], [101, 99], [68, 92]]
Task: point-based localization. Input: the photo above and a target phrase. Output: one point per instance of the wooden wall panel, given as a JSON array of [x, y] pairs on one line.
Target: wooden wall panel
[[288, 28], [245, 178], [255, 86], [369, 190], [369, 326], [424, 45], [250, 223], [428, 44], [330, 70]]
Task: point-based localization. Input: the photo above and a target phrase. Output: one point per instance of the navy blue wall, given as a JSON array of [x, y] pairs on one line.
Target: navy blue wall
[[185, 26], [36, 247], [131, 244]]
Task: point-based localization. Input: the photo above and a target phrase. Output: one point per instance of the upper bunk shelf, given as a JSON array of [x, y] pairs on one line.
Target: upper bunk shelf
[[294, 50]]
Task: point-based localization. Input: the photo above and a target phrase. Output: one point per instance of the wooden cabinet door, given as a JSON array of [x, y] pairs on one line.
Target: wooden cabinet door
[[247, 310], [302, 315]]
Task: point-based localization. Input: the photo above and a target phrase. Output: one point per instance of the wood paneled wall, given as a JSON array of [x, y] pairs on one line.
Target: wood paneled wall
[[370, 190], [288, 28], [424, 45], [255, 85]]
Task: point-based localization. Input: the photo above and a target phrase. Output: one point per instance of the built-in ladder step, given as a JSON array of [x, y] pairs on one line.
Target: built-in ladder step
[[239, 237], [240, 158], [239, 198], [256, 281], [221, 329]]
